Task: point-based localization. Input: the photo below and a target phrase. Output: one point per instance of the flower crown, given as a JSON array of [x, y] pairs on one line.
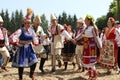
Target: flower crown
[[91, 18]]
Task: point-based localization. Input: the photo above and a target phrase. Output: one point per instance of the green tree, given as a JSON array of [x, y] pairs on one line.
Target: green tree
[[6, 20], [101, 22], [64, 18], [74, 23], [44, 23]]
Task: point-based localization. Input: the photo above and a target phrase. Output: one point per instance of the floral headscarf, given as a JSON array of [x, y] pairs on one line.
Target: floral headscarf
[[91, 18]]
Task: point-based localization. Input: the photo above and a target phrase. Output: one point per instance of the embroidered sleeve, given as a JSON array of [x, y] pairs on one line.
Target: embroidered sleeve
[[35, 39], [97, 38], [6, 39], [61, 28], [14, 38], [66, 34]]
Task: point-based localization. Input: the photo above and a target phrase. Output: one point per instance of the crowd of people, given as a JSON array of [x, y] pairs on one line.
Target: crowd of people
[[85, 46]]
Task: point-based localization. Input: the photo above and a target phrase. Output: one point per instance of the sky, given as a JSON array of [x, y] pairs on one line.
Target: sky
[[96, 8]]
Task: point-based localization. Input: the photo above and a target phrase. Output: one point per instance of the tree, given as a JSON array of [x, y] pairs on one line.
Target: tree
[[6, 20], [101, 22], [44, 23]]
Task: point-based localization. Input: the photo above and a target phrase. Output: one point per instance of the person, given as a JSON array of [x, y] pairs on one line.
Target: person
[[79, 43], [91, 40], [68, 52], [56, 31], [40, 33], [108, 57], [117, 26], [24, 38], [4, 45]]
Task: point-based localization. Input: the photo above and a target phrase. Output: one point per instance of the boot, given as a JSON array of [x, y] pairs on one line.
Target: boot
[[53, 63], [42, 64], [20, 77], [65, 63], [20, 71], [73, 65], [59, 63], [32, 69]]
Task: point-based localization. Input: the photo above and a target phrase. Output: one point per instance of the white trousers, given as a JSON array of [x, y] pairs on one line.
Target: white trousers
[[56, 54], [5, 54], [79, 52]]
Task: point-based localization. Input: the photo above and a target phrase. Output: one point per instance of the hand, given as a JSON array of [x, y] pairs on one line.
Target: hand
[[73, 40], [19, 45]]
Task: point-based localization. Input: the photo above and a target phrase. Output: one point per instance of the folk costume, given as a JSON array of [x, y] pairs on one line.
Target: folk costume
[[57, 31], [91, 40], [108, 57], [68, 52], [4, 45], [24, 38], [41, 35], [79, 43]]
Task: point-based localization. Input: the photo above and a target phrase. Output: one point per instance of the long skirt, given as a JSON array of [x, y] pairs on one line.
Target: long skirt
[[89, 52], [68, 52], [108, 57]]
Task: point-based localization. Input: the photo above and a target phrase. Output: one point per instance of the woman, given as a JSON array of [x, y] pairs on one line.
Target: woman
[[69, 49], [108, 57], [24, 38], [89, 50]]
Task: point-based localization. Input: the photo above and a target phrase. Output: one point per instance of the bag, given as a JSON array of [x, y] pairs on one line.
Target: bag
[[38, 49]]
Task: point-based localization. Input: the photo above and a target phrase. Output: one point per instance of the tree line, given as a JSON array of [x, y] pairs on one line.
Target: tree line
[[13, 22]]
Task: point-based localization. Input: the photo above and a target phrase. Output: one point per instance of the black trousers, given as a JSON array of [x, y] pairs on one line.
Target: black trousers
[[32, 69], [42, 62], [119, 57]]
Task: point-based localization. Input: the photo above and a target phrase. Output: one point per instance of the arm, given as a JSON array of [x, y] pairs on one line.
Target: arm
[[35, 39], [14, 38], [97, 38]]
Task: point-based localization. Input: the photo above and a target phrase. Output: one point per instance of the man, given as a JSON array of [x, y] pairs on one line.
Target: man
[[79, 42], [4, 45], [57, 31], [40, 33]]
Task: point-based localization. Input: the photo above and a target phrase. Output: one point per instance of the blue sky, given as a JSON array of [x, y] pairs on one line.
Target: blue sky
[[96, 8]]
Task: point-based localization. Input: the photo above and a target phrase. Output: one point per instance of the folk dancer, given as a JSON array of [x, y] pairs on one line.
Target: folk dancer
[[40, 33], [4, 45], [108, 57], [68, 52], [91, 40], [24, 38], [57, 31], [79, 43]]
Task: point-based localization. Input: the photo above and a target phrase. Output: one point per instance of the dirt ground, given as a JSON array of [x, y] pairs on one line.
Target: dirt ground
[[60, 74]]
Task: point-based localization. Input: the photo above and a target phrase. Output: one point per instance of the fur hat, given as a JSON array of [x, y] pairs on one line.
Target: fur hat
[[37, 19], [53, 17], [80, 20], [1, 19], [28, 16]]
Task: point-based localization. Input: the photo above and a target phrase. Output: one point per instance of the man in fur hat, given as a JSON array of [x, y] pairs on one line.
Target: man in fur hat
[[57, 31], [40, 33]]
